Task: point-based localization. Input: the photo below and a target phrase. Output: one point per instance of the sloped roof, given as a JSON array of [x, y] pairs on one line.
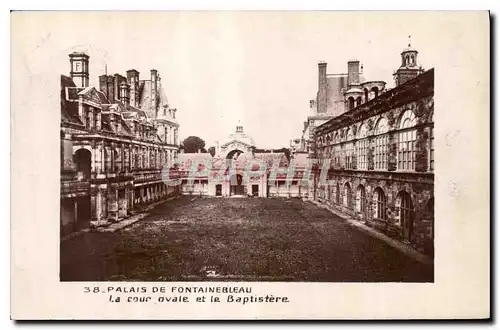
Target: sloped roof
[[185, 160], [69, 110], [94, 95], [300, 159], [272, 158]]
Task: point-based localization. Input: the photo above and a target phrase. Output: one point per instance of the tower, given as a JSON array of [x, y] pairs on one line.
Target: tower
[[409, 68], [79, 68]]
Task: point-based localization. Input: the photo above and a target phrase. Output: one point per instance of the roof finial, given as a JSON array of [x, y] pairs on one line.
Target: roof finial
[[409, 40], [105, 69]]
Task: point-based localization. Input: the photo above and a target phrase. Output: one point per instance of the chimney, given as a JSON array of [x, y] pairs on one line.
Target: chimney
[[103, 85], [125, 93], [321, 101], [111, 91], [154, 86], [352, 72], [133, 81]]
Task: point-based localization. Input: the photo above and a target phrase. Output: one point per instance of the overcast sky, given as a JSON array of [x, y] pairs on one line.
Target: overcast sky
[[218, 68]]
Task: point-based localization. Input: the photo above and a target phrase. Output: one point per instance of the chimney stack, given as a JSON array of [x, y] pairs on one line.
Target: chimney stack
[[352, 72], [321, 102], [133, 81], [154, 86]]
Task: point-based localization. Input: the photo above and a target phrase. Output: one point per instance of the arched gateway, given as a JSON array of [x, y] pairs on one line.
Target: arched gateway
[[239, 168]]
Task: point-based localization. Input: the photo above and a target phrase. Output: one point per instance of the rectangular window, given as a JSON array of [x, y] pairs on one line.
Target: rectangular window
[[406, 150], [380, 154], [362, 154], [349, 152]]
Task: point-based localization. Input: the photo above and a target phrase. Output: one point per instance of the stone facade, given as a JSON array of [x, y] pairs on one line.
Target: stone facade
[[378, 158], [112, 150]]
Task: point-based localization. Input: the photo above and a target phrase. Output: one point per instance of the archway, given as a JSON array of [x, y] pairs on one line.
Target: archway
[[234, 154], [237, 188], [83, 159]]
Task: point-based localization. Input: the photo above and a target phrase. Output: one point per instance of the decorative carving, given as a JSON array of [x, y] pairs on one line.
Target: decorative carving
[[369, 124], [391, 118], [354, 130]]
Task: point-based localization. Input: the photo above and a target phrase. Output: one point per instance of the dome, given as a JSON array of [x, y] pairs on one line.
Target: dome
[[354, 90], [239, 135]]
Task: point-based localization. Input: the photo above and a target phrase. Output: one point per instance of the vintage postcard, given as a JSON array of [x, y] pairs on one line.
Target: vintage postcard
[[250, 165]]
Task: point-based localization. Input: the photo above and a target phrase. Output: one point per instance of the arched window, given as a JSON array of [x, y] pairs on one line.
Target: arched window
[[360, 199], [347, 195], [337, 194], [362, 148], [407, 139], [83, 161], [380, 204], [405, 212], [358, 101], [350, 102], [349, 150], [375, 91], [367, 95], [381, 144]]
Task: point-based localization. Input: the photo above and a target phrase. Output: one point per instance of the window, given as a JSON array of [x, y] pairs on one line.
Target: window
[[347, 195], [405, 208], [431, 149], [349, 153], [337, 194], [362, 149], [358, 101], [360, 199], [351, 103], [381, 144], [349, 150], [380, 204], [407, 139]]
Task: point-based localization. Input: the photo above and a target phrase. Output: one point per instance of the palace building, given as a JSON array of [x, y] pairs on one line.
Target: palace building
[[377, 150], [115, 140], [239, 168]]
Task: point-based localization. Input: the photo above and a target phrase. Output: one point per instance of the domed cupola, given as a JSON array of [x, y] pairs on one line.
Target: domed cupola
[[409, 68]]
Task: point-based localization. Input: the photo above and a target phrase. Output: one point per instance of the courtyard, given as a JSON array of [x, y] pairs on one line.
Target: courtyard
[[237, 239]]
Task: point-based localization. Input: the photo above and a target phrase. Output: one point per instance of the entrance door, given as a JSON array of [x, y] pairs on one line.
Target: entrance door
[[237, 187], [255, 190], [218, 190]]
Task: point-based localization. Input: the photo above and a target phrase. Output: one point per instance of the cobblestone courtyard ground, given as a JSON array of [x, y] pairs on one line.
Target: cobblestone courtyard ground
[[237, 239]]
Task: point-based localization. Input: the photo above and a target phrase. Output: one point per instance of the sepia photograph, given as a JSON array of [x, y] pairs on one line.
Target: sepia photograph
[[148, 195], [228, 150]]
